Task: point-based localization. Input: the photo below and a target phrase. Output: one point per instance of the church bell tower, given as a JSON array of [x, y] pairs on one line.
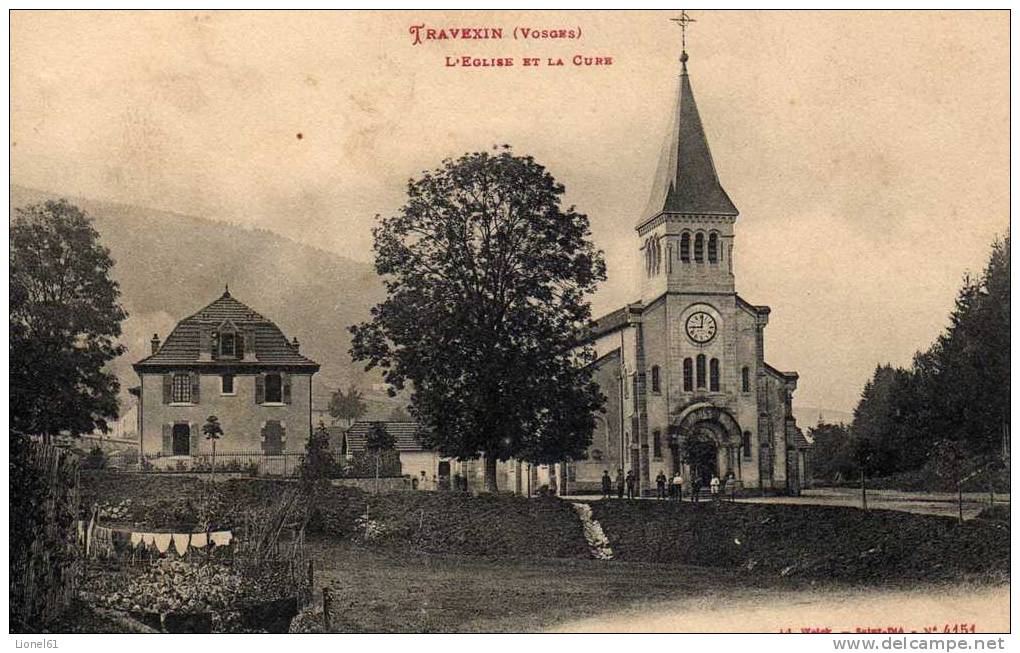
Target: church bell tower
[[686, 232]]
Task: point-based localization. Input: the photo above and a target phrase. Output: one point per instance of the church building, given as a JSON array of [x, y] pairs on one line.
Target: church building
[[683, 367]]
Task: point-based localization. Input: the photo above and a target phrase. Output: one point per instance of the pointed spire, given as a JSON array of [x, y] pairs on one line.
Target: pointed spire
[[686, 180], [226, 290]]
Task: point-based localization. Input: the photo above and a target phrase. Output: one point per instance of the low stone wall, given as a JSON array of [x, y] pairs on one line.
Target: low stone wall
[[389, 484]]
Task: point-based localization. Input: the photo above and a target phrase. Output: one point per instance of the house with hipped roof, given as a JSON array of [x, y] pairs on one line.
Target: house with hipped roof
[[229, 361]]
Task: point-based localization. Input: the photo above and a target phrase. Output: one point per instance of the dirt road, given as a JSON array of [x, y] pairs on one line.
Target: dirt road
[[985, 608], [924, 503]]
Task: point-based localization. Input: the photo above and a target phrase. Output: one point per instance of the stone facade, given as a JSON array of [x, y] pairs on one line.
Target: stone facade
[[683, 369], [227, 361]]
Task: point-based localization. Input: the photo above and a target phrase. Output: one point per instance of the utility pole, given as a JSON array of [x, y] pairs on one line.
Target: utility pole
[[864, 488]]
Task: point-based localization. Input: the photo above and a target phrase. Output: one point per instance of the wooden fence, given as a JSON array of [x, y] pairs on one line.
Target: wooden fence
[[45, 559]]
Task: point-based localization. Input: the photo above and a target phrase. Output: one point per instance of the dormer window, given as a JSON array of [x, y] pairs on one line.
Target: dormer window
[[228, 345], [227, 342]]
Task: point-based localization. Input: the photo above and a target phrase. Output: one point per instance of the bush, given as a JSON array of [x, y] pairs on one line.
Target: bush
[[362, 465], [129, 457], [96, 459]]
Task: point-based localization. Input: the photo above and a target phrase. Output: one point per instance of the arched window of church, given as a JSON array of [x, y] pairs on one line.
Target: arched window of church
[[745, 379], [713, 247], [745, 444], [701, 370], [688, 375], [685, 247], [669, 259], [699, 248], [657, 254], [713, 375], [656, 384]]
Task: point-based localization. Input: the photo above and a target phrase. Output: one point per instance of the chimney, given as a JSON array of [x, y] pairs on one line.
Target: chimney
[[155, 343], [295, 344]]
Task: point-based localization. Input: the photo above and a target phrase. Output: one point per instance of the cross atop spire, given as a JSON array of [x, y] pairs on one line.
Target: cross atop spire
[[683, 21], [685, 180]]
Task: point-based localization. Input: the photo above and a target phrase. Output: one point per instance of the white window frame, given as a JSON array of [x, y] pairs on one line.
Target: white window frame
[[173, 390]]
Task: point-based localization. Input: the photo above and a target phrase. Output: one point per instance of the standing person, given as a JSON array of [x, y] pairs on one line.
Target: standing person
[[695, 489], [423, 482], [660, 484], [713, 487], [678, 486], [607, 484], [619, 483], [631, 483]]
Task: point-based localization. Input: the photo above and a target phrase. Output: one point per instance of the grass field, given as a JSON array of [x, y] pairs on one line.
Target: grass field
[[391, 591]]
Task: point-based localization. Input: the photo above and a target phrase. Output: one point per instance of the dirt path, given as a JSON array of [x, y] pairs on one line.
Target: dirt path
[[986, 608], [922, 503]]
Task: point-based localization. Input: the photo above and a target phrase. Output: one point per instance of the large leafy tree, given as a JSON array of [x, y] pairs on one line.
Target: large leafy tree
[[65, 320], [378, 438], [487, 277], [348, 406]]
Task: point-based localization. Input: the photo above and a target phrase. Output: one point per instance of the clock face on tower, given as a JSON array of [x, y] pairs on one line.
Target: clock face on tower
[[700, 327]]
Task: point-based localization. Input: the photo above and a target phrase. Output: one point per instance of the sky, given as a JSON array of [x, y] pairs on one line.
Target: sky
[[868, 152]]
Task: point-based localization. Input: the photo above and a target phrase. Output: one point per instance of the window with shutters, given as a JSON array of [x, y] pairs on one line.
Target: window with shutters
[[688, 375], [713, 375], [274, 388], [701, 370], [181, 389]]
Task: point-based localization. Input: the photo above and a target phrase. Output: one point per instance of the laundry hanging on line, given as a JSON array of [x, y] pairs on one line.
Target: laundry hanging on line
[[181, 541]]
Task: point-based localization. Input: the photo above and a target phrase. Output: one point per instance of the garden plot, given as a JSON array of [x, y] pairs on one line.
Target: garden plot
[[254, 582]]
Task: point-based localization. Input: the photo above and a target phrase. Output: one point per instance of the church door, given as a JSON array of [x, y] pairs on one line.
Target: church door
[[703, 457]]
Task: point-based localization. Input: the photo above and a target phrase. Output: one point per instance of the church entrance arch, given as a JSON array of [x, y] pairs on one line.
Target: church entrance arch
[[710, 439], [702, 455]]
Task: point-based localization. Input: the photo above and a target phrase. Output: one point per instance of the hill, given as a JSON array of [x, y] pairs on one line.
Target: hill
[[170, 265]]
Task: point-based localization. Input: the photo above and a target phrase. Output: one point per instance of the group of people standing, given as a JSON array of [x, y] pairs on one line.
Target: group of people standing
[[629, 482], [672, 488]]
